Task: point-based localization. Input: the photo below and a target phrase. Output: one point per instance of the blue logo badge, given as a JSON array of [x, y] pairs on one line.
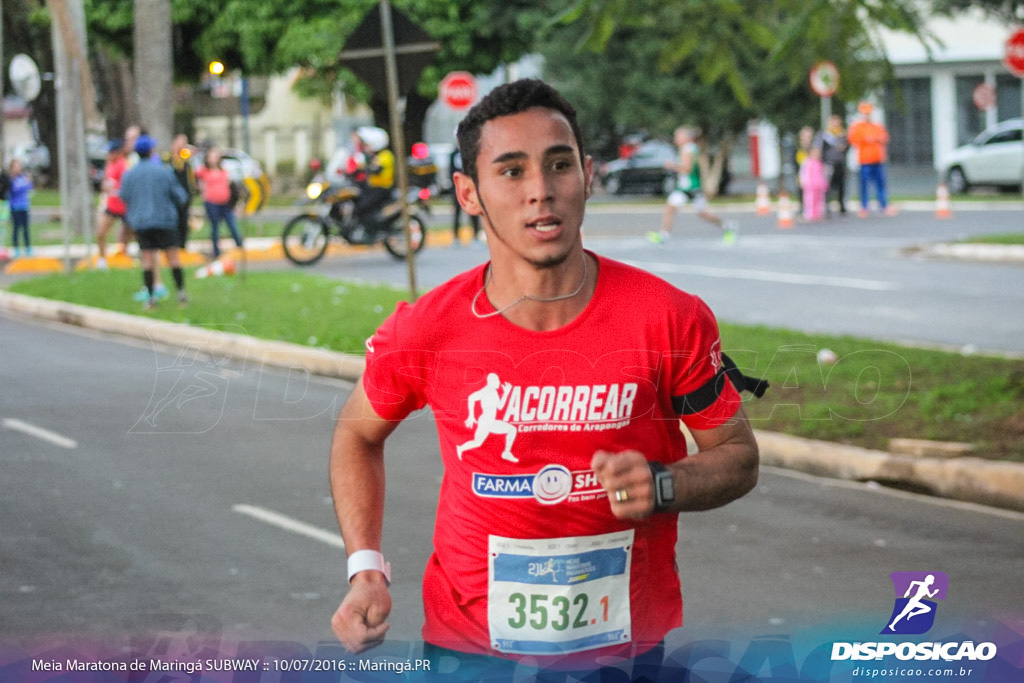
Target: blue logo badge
[[914, 610]]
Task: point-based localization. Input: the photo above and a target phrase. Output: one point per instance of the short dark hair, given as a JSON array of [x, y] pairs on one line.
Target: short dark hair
[[505, 100]]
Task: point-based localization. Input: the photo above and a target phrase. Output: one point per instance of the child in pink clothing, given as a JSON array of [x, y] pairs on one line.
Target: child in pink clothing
[[814, 184]]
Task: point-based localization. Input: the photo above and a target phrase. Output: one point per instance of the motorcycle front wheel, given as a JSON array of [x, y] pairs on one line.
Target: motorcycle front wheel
[[395, 242], [305, 239]]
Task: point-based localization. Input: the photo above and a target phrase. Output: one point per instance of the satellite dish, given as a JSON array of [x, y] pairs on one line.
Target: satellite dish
[[24, 76]]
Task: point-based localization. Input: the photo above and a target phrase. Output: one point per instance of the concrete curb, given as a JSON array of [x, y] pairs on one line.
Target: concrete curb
[[974, 480], [214, 342], [976, 252], [968, 479]]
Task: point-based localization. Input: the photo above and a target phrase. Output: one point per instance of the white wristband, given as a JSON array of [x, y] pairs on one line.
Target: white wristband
[[363, 560]]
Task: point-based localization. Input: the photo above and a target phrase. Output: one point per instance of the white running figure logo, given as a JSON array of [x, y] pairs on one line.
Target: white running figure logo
[[488, 423], [543, 569], [915, 607]]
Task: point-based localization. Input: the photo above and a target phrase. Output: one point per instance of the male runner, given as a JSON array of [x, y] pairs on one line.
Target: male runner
[[565, 554]]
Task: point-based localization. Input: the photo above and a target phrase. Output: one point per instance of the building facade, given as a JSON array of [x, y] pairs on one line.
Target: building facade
[[930, 110]]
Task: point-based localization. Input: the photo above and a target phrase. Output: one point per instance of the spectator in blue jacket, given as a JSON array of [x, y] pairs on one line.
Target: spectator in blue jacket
[[19, 196], [152, 195]]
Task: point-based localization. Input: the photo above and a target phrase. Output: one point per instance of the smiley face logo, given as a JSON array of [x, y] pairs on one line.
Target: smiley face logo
[[552, 485]]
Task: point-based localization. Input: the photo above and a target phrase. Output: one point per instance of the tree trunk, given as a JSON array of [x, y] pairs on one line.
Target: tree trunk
[[154, 69], [712, 165], [116, 84], [415, 115]]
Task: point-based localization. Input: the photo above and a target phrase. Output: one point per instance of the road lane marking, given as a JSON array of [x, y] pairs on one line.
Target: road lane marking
[[290, 524], [38, 432], [767, 276]]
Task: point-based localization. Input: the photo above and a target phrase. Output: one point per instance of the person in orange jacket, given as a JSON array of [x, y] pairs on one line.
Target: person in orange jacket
[[871, 139]]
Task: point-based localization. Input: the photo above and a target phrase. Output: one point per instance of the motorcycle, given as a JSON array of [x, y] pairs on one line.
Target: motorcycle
[[306, 236]]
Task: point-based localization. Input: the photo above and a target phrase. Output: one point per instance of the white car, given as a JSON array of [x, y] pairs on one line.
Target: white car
[[995, 157]]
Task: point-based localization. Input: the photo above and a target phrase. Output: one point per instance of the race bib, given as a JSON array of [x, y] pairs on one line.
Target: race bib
[[559, 595]]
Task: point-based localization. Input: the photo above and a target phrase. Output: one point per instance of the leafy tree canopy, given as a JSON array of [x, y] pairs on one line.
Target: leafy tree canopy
[[269, 36], [721, 63], [1010, 11]]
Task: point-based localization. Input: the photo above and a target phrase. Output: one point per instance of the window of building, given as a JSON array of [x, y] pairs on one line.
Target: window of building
[[969, 119], [908, 116], [1007, 97]]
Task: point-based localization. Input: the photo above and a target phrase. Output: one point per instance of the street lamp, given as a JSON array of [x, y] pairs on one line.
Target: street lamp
[[217, 69]]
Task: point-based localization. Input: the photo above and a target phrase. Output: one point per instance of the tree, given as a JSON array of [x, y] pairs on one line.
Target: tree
[[1010, 11], [269, 36], [720, 64]]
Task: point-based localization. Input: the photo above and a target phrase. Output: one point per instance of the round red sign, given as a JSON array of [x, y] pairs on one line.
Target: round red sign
[[458, 90], [1014, 56], [824, 79], [984, 96]]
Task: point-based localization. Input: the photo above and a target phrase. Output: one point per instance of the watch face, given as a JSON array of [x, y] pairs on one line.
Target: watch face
[[666, 492]]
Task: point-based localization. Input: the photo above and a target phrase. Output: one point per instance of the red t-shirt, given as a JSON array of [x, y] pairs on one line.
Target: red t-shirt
[[112, 173], [528, 559]]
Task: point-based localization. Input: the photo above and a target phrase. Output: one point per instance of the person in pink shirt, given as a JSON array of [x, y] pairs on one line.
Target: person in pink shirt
[[813, 184], [215, 185]]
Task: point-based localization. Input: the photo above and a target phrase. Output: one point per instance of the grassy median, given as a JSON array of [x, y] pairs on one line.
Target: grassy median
[[868, 393]]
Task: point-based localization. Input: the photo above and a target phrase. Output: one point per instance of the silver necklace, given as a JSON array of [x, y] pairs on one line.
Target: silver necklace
[[524, 297]]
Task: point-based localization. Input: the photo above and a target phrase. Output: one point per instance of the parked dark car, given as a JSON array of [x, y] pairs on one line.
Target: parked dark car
[[643, 172]]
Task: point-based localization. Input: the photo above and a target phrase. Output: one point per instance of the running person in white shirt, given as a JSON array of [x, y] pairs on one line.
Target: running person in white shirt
[[688, 189]]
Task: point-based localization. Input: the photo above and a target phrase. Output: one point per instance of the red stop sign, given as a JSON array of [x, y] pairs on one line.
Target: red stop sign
[[1014, 57], [458, 90]]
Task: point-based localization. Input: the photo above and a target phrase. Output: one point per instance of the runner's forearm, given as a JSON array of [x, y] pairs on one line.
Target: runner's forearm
[[357, 486], [357, 472], [723, 470]]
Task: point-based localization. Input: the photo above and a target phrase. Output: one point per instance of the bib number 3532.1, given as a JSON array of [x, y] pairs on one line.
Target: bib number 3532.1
[[559, 595]]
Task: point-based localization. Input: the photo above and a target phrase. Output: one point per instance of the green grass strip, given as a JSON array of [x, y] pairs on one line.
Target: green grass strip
[[873, 391]]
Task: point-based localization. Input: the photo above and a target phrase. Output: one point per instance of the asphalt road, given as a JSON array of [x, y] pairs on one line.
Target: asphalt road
[[153, 489], [864, 278]]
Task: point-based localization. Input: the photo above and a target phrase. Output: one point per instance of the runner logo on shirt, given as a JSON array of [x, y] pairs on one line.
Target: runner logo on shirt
[[502, 410]]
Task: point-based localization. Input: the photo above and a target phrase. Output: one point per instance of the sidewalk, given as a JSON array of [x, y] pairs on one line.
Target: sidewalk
[[968, 479], [53, 258]]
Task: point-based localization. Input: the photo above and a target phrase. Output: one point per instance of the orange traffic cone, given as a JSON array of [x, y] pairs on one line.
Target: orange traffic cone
[[762, 202], [785, 211], [222, 266], [942, 205]]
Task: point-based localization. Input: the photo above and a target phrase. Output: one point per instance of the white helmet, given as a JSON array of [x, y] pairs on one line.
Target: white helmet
[[375, 139]]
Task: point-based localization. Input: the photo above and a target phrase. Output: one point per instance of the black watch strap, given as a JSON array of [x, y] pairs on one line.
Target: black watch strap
[[664, 486]]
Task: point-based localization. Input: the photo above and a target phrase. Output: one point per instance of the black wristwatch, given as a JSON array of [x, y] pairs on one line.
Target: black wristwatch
[[664, 487]]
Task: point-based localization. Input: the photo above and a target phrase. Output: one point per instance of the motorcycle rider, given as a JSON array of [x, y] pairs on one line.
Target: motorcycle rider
[[375, 176]]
